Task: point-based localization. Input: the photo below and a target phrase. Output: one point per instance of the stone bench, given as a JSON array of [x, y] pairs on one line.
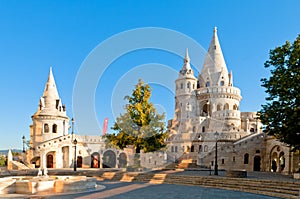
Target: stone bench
[[236, 174]]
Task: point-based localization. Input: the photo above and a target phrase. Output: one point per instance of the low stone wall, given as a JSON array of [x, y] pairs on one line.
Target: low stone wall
[[236, 174]]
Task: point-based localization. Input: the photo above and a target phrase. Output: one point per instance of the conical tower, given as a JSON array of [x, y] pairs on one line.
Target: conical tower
[[185, 99], [218, 98], [50, 120]]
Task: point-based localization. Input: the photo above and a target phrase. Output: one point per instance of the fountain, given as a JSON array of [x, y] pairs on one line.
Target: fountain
[[43, 184]]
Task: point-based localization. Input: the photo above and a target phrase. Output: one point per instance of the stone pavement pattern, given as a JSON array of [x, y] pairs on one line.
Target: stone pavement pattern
[[122, 190]]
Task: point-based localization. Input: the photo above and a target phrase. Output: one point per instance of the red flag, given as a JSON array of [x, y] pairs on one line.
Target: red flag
[[105, 126]]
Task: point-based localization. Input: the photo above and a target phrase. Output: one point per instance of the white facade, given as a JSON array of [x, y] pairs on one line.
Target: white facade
[[51, 144]]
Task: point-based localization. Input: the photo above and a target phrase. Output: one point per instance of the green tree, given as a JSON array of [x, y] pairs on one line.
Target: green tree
[[281, 113], [140, 126]]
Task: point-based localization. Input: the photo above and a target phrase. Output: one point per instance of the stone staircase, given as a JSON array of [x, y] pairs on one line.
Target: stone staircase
[[183, 164], [18, 166], [281, 189]]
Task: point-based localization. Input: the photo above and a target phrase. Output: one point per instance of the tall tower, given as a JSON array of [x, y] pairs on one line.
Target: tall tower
[[185, 99], [50, 120], [217, 96]]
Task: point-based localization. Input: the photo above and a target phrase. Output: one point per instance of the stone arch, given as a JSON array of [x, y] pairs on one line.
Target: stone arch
[[207, 84], [109, 159], [122, 160], [226, 106], [257, 162], [95, 160], [188, 85], [235, 107], [46, 128], [219, 107], [54, 128], [205, 148], [246, 158], [79, 161], [274, 159], [50, 157], [192, 148]]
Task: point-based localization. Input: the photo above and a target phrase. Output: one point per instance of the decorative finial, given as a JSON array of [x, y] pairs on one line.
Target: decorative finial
[[215, 29], [186, 58]]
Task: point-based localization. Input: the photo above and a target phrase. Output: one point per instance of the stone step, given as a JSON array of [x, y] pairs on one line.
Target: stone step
[[266, 187]]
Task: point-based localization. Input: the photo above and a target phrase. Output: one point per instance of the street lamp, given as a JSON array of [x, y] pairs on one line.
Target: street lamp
[[75, 158], [216, 154], [23, 139]]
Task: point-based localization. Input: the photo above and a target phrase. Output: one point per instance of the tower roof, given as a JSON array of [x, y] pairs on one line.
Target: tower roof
[[214, 60], [50, 103], [50, 88], [186, 70]]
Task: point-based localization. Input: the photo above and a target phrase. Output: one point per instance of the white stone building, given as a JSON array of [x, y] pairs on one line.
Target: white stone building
[[210, 103], [203, 106], [52, 145]]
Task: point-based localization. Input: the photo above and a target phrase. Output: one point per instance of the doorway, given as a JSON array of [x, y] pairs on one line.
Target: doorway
[[49, 161], [257, 160]]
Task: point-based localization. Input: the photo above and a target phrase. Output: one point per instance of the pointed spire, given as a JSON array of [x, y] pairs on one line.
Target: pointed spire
[[50, 88], [187, 57], [214, 61], [186, 61]]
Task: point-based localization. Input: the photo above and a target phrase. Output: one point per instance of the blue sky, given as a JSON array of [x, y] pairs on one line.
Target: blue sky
[[38, 34]]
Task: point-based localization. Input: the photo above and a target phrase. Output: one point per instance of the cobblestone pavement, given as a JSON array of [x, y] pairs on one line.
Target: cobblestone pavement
[[124, 190]]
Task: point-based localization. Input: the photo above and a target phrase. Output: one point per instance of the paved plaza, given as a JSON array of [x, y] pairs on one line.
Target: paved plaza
[[117, 189], [122, 190]]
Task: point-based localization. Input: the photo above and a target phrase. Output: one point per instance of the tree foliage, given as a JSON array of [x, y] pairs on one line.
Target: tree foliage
[[140, 126], [281, 113]]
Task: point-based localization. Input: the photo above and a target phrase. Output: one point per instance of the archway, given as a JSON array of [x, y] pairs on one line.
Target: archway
[[50, 161], [79, 161], [256, 166], [192, 148], [274, 162], [122, 160], [109, 159], [95, 160], [281, 161]]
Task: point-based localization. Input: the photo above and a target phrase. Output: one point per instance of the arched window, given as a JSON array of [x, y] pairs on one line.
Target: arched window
[[200, 148], [172, 149], [226, 106], [203, 129], [46, 128], [188, 85], [181, 85], [175, 148], [246, 158], [222, 83], [54, 128], [192, 148], [219, 107], [205, 148], [235, 107], [207, 84], [193, 86]]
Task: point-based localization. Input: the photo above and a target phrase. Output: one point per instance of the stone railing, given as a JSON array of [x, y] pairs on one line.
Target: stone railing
[[219, 90]]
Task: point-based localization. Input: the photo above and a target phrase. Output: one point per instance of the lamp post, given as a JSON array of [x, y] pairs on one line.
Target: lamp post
[[216, 154], [75, 158], [23, 139]]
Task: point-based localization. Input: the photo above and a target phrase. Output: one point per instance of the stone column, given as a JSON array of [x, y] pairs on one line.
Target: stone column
[[43, 160], [59, 158]]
